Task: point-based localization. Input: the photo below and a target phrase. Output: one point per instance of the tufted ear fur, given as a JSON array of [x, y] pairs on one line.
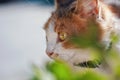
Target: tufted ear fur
[[88, 7], [82, 7]]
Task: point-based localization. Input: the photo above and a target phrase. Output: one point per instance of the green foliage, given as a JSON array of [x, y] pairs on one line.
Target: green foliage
[[90, 37], [36, 73], [62, 71], [90, 76]]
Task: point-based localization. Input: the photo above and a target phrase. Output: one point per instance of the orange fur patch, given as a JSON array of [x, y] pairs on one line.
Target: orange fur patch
[[73, 26]]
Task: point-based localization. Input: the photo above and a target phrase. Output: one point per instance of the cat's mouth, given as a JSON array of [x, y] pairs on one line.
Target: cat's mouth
[[89, 64]]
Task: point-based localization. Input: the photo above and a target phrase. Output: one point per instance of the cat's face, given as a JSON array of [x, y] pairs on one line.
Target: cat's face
[[65, 22], [58, 34]]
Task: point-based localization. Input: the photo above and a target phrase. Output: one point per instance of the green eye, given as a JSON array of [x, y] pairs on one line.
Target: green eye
[[62, 36]]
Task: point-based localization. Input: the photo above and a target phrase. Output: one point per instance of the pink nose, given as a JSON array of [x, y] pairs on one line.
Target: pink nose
[[49, 53]]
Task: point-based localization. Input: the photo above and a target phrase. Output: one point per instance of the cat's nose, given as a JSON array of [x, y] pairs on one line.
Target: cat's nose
[[49, 53]]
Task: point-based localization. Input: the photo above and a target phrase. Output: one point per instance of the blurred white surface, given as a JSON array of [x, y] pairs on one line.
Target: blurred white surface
[[22, 39]]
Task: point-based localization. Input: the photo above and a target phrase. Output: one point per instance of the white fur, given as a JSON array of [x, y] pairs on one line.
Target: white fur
[[109, 24], [51, 37]]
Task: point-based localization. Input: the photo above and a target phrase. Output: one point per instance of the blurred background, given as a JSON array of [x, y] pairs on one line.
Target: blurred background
[[39, 1], [22, 38]]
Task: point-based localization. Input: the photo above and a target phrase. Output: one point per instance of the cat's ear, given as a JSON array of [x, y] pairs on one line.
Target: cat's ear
[[82, 7], [64, 3], [88, 7]]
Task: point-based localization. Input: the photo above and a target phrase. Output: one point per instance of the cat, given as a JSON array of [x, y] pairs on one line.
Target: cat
[[70, 18]]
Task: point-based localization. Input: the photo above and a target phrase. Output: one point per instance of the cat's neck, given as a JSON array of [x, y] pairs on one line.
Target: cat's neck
[[108, 21]]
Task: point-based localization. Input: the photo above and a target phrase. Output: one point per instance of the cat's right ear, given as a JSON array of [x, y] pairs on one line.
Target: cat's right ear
[[63, 3], [57, 3]]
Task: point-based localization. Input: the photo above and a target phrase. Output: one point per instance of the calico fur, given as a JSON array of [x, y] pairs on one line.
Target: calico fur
[[72, 17]]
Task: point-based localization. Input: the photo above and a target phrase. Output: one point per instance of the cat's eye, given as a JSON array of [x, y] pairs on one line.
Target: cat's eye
[[62, 36]]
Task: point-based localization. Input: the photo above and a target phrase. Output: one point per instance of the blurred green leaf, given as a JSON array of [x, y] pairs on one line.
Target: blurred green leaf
[[114, 38], [60, 70], [92, 76], [90, 37], [36, 73]]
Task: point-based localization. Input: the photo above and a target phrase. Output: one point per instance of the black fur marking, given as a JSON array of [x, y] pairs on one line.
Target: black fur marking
[[89, 64], [66, 3]]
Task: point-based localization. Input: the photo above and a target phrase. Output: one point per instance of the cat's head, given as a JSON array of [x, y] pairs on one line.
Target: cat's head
[[71, 18]]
